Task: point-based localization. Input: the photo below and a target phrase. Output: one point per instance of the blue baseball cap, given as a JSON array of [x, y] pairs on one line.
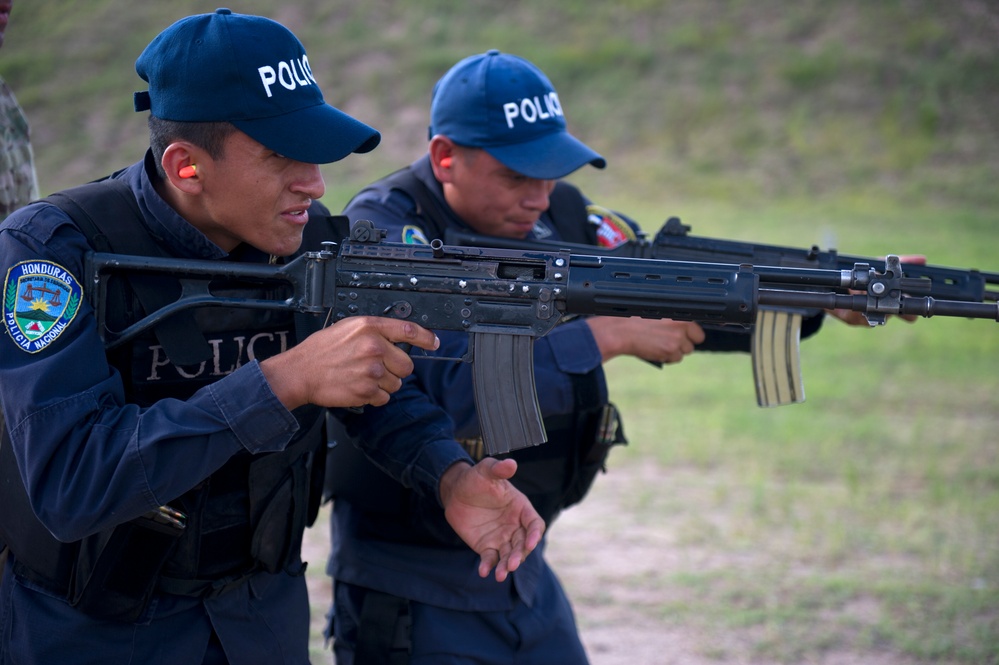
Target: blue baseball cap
[[508, 107], [253, 72]]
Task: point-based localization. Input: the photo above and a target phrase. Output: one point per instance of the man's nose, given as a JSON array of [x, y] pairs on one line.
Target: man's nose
[[309, 180], [537, 193]]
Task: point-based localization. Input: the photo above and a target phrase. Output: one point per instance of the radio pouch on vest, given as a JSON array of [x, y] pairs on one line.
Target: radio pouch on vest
[[117, 569]]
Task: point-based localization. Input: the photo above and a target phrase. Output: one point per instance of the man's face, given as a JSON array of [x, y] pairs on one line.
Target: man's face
[[257, 196], [491, 198]]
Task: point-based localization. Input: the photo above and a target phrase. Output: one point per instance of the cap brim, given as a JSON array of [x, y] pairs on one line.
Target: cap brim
[[317, 134], [547, 158]]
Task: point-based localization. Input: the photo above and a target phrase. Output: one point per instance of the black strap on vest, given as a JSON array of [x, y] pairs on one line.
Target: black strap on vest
[[567, 208], [110, 223], [429, 208]]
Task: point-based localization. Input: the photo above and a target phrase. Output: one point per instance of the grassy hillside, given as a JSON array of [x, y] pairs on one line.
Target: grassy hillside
[[687, 98]]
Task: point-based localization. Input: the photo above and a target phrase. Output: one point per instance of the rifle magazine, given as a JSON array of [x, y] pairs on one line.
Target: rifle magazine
[[505, 397], [776, 355]]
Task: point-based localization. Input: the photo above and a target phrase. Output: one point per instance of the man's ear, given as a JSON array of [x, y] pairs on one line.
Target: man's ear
[[184, 165], [443, 154]]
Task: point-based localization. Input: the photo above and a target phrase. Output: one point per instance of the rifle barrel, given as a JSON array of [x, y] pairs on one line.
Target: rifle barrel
[[925, 306]]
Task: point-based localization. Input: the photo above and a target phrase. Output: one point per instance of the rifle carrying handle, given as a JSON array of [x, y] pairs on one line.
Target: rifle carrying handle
[[505, 396]]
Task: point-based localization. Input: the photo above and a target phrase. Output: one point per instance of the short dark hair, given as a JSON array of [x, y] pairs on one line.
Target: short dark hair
[[209, 136]]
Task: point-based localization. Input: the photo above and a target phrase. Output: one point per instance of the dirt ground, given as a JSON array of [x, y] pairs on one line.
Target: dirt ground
[[599, 548]]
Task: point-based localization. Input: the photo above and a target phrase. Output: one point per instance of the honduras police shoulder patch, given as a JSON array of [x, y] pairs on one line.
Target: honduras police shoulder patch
[[612, 229], [413, 235], [40, 299]]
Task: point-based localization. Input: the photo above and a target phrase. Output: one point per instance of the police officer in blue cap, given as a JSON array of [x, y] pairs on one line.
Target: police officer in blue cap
[[406, 588], [154, 496]]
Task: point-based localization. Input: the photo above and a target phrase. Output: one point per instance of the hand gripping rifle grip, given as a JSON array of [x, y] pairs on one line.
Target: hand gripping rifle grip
[[505, 396]]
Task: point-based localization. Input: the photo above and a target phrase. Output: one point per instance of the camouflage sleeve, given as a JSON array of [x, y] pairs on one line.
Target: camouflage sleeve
[[18, 180]]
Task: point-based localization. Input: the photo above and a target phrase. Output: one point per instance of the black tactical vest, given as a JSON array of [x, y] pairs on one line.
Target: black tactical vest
[[246, 517]]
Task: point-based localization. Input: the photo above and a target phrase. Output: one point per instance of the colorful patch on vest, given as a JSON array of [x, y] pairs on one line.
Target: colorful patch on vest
[[40, 299], [413, 235], [612, 229]]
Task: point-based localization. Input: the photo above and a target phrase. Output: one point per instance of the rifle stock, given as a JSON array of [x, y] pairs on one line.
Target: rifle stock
[[505, 299]]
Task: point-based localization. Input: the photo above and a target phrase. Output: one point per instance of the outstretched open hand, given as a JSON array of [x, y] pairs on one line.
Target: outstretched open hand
[[492, 516]]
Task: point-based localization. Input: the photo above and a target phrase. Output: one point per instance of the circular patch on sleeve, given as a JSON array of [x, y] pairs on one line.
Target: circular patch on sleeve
[[612, 229], [413, 235], [40, 300]]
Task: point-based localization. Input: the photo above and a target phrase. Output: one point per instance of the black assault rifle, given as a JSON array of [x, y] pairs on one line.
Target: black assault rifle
[[506, 298], [775, 337]]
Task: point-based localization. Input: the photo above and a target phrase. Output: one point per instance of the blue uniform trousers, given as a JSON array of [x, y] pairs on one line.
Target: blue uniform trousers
[[539, 635]]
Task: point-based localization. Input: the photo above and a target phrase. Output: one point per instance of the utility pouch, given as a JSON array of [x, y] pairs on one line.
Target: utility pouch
[[281, 521], [604, 432], [117, 570], [279, 517]]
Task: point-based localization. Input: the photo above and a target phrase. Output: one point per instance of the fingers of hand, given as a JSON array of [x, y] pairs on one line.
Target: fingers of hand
[[488, 561], [535, 530], [695, 333], [397, 362], [500, 469], [680, 339], [409, 333]]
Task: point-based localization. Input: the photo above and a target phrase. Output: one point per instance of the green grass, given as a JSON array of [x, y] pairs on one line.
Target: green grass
[[880, 491], [711, 99]]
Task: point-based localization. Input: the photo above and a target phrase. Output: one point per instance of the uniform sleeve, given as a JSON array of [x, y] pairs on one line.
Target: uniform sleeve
[[88, 458], [410, 438]]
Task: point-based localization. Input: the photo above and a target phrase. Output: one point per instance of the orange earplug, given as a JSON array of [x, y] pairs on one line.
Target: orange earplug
[[445, 162], [188, 171]]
